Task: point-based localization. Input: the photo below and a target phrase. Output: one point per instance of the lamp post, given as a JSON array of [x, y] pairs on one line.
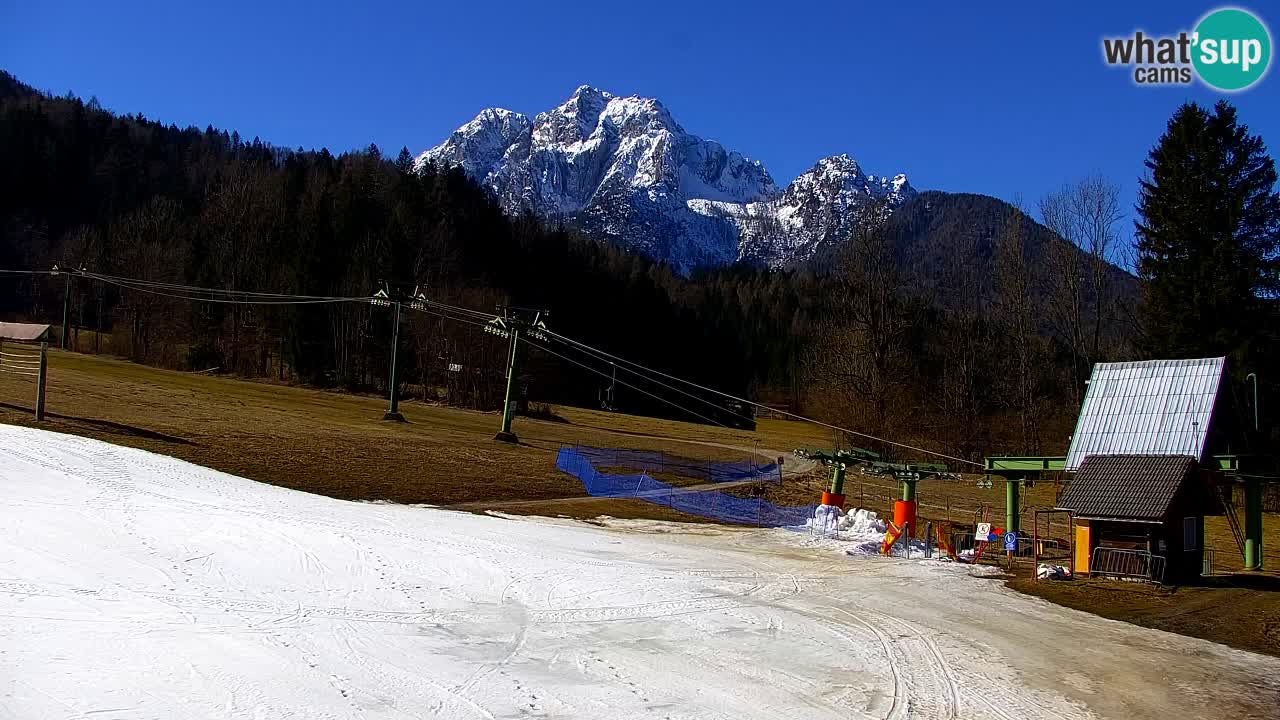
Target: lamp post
[[1254, 378]]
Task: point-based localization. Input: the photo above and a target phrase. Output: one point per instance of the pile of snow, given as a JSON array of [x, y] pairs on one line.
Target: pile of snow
[[1048, 571], [859, 532], [859, 524]]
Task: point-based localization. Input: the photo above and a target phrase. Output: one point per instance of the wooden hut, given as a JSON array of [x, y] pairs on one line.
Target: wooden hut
[[1142, 486], [1139, 516]]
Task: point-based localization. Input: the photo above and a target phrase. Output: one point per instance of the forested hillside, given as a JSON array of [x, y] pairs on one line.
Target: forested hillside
[[897, 333]]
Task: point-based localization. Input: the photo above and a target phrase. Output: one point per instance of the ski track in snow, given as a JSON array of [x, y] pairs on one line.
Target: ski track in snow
[[134, 585]]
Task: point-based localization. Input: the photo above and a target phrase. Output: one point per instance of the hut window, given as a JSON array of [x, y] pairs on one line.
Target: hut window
[[1189, 534]]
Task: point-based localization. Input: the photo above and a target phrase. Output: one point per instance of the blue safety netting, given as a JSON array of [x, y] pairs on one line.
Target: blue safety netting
[[653, 461], [581, 463]]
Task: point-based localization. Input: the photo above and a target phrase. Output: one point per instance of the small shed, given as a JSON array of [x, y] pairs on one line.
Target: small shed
[[1141, 489], [1139, 516], [24, 332]]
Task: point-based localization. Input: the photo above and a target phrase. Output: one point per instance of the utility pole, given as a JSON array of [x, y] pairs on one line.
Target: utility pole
[[1254, 378], [387, 297], [66, 303], [613, 385], [97, 337], [511, 325]]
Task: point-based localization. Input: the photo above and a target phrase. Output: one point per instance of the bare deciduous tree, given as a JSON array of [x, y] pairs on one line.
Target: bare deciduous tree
[[1015, 313], [861, 364], [1082, 306]]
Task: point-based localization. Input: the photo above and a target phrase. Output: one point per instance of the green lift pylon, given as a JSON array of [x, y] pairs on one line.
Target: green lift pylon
[[907, 476], [1012, 505], [1016, 472], [1252, 524], [66, 302], [388, 297], [513, 323]]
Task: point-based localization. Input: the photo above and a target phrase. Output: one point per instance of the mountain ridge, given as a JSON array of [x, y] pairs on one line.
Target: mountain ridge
[[623, 170]]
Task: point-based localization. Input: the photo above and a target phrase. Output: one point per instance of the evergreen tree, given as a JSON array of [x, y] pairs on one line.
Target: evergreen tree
[[1207, 237], [404, 162]]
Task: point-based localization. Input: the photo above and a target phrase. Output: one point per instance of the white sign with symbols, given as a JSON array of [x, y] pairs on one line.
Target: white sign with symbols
[[982, 533]]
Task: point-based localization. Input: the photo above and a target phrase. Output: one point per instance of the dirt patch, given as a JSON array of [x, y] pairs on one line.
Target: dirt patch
[[1242, 611]]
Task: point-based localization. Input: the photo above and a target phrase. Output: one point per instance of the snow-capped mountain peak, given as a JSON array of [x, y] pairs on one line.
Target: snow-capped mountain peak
[[623, 170], [817, 208], [479, 145]]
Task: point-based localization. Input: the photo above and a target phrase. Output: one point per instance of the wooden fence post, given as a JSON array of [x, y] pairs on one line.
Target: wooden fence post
[[40, 376]]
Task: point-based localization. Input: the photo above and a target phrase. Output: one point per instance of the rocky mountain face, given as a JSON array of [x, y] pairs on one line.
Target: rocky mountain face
[[624, 171]]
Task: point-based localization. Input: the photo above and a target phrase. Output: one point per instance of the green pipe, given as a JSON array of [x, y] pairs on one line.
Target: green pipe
[[908, 490], [393, 386], [508, 405], [1253, 524], [66, 310], [837, 480], [1011, 488]]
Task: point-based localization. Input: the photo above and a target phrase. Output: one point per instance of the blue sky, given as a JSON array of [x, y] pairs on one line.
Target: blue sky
[[1009, 100]]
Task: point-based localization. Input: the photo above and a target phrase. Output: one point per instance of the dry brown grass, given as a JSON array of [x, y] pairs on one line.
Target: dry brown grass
[[336, 444], [1242, 611]]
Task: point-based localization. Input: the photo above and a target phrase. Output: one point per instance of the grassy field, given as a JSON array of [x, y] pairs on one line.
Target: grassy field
[[337, 444], [1242, 611]]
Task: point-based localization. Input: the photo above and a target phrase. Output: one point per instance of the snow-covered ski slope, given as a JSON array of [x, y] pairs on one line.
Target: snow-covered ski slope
[[137, 586]]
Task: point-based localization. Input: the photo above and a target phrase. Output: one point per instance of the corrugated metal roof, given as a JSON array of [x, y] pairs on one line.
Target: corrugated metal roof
[[27, 332], [1127, 487], [1156, 407]]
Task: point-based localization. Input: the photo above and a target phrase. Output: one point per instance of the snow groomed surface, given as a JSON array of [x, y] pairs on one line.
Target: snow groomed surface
[[138, 586], [582, 463]]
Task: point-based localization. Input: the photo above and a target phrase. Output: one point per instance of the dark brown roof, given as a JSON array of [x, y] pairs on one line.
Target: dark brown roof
[[1131, 487]]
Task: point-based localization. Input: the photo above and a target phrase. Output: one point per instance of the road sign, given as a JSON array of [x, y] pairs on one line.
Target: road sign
[[982, 533], [1011, 541]]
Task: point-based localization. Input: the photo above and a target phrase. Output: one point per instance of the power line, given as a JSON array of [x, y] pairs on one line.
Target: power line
[[446, 316], [192, 288], [486, 317], [281, 300], [546, 349], [637, 373], [474, 317], [761, 405]]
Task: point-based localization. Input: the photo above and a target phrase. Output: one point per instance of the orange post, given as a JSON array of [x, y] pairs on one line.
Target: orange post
[[830, 498], [904, 513]]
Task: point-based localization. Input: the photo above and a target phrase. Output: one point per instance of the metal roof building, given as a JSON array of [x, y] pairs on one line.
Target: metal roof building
[[1156, 407], [24, 332]]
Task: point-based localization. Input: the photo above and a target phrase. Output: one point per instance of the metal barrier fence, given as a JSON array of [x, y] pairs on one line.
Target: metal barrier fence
[[1118, 562], [711, 504], [1209, 562]]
